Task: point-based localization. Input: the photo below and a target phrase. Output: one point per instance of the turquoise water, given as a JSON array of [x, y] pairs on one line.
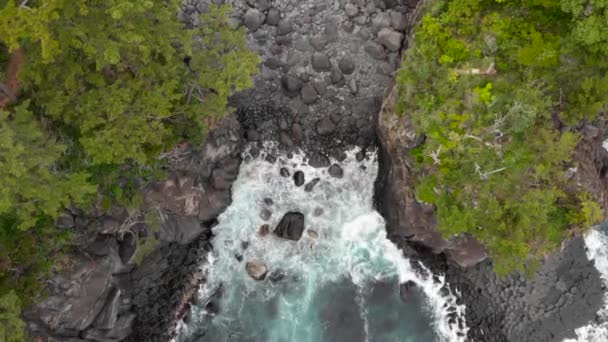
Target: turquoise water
[[340, 281]]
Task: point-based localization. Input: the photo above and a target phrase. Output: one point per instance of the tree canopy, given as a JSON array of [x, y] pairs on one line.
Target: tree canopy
[[104, 88], [498, 88]]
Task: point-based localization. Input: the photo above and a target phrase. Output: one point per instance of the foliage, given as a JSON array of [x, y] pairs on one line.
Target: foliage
[[105, 88], [484, 82], [12, 329]]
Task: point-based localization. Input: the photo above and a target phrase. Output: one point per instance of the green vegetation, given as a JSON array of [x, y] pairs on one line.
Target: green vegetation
[[106, 86], [488, 83], [11, 326]]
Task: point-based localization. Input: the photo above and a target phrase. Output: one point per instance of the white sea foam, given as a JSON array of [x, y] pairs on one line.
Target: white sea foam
[[351, 243], [597, 250]]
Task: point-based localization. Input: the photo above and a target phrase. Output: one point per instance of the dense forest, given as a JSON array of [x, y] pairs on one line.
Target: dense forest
[[103, 88], [499, 90]]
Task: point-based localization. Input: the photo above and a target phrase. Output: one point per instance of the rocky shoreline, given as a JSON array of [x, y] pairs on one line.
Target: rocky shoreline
[[325, 69]]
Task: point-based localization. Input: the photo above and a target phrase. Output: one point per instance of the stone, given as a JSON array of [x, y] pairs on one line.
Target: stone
[[272, 63], [336, 171], [252, 135], [319, 42], [320, 62], [398, 21], [285, 139], [317, 212], [309, 95], [284, 172], [268, 201], [253, 19], [406, 290], [298, 178], [256, 269], [180, 229], [325, 126], [65, 221], [318, 160], [312, 233], [109, 225], [127, 247], [348, 26], [265, 214], [284, 27], [284, 40], [273, 17], [346, 65], [353, 86], [311, 185], [109, 314], [276, 276], [380, 21], [336, 76], [264, 230], [262, 5], [291, 226], [297, 133], [375, 50], [351, 10], [291, 85], [390, 38]]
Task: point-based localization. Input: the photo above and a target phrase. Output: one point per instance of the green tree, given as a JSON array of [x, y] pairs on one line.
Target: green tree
[[485, 82], [11, 326]]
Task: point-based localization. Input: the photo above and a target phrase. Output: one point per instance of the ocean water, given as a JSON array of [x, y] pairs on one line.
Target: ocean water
[[597, 249], [340, 281]]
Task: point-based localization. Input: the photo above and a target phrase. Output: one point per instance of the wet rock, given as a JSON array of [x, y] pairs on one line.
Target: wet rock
[[284, 172], [253, 19], [375, 50], [273, 17], [244, 245], [320, 62], [309, 95], [109, 314], [346, 65], [312, 233], [291, 85], [318, 160], [311, 185], [291, 226], [325, 126], [336, 76], [336, 171], [252, 135], [264, 230], [276, 276], [406, 290], [256, 269], [317, 212], [109, 225], [380, 21], [212, 309], [265, 214], [298, 178], [390, 38], [351, 10], [268, 201]]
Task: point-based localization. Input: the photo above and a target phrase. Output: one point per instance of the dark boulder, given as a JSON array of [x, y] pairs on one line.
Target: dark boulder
[[256, 270], [406, 290], [291, 226], [284, 172], [311, 185], [336, 171], [264, 230], [298, 178]]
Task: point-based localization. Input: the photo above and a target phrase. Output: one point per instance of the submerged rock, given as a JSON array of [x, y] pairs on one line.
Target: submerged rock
[[284, 172], [312, 233], [256, 270], [336, 171], [291, 226], [406, 290], [265, 214]]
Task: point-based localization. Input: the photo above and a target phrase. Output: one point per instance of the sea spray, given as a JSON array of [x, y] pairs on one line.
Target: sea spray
[[339, 282]]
